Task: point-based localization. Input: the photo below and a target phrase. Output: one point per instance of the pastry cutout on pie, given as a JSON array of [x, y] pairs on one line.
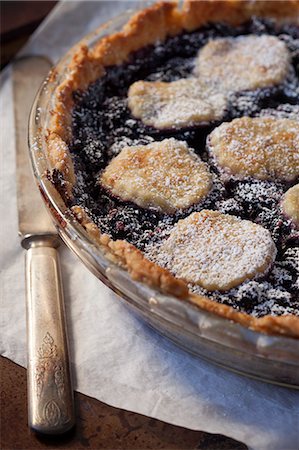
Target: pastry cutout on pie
[[244, 62], [290, 204], [178, 104], [164, 175], [262, 148], [217, 251]]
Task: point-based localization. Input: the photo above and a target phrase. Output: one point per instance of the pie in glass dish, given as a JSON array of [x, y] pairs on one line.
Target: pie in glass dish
[[175, 144]]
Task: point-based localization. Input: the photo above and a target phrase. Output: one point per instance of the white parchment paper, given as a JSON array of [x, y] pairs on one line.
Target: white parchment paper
[[115, 357]]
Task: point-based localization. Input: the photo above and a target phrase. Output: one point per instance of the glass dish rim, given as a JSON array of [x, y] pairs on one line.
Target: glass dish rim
[[82, 244]]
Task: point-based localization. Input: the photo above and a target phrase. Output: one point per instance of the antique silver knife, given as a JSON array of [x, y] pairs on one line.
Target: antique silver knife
[[50, 394]]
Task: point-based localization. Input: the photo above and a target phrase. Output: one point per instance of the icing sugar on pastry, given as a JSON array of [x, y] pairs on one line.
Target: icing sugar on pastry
[[290, 204], [262, 148], [223, 66], [216, 251], [244, 62], [164, 175], [177, 104]]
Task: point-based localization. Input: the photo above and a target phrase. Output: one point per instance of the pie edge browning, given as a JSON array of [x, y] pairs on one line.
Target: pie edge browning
[[141, 269], [154, 23]]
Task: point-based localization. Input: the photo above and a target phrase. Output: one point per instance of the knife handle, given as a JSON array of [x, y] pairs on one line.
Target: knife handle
[[50, 394]]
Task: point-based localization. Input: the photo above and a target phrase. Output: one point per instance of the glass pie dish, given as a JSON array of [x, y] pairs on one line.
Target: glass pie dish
[[229, 344]]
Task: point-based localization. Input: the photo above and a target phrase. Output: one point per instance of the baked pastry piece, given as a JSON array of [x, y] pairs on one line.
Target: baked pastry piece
[[244, 62], [177, 104], [222, 66], [162, 80], [216, 251], [290, 204], [261, 147], [165, 175]]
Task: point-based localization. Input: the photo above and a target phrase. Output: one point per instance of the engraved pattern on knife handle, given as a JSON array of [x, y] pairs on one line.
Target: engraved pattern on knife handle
[[49, 364], [49, 385], [48, 360]]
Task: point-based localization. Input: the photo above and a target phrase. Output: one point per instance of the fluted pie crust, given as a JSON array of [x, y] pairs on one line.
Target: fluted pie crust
[[152, 24]]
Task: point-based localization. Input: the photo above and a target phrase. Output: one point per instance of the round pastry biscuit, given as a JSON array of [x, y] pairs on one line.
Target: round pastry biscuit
[[263, 148], [217, 251], [244, 62], [290, 204], [178, 104], [165, 175]]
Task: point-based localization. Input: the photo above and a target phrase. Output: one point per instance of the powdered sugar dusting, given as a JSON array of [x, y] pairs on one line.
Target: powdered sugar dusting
[[263, 148], [177, 104], [224, 66], [216, 251], [285, 111], [244, 63], [103, 126], [164, 175]]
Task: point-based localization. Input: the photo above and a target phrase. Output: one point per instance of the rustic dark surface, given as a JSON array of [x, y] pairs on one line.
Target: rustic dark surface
[[18, 21], [99, 426]]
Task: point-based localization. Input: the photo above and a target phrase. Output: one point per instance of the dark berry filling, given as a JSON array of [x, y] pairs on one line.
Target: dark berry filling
[[103, 125]]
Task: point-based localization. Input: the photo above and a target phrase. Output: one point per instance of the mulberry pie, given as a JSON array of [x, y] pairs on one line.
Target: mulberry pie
[[175, 143]]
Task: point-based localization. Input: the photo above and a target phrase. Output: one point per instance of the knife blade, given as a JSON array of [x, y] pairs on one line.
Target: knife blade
[[50, 394]]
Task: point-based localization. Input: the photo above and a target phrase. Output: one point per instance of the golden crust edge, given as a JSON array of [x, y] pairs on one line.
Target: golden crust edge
[[146, 27], [141, 269], [196, 13], [129, 257], [86, 66]]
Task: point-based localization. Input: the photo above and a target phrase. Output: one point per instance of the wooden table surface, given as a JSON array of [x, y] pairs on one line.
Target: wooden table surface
[[99, 426]]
